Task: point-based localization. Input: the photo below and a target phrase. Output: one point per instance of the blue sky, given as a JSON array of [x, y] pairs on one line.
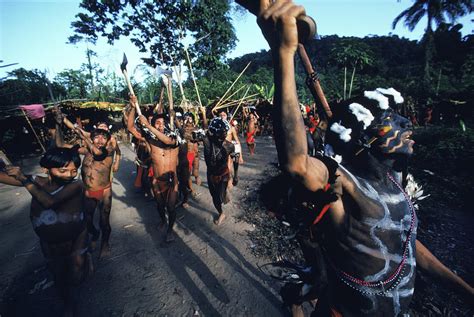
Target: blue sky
[[34, 33]]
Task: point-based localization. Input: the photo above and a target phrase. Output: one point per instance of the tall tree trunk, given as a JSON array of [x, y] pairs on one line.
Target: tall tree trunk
[[345, 81], [429, 48], [352, 79], [89, 66], [439, 80]]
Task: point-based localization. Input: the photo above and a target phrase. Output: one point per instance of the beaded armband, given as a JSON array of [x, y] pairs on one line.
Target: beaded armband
[[312, 78]]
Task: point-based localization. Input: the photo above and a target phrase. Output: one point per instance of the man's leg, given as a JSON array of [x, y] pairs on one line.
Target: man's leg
[[184, 184], [252, 148], [236, 159], [146, 183], [159, 191], [196, 168], [105, 228], [78, 268], [219, 197], [171, 208], [90, 205], [230, 167]]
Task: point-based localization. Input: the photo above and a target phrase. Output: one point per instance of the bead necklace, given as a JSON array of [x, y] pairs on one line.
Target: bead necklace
[[396, 276]]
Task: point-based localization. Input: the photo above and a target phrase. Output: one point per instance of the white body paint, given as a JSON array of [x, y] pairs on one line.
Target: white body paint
[[404, 289], [362, 114], [344, 133], [390, 91], [375, 95]]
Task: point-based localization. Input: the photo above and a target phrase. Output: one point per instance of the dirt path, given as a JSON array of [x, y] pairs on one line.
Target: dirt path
[[207, 271]]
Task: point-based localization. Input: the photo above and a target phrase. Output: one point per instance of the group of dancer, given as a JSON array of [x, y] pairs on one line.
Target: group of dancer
[[356, 225], [63, 207]]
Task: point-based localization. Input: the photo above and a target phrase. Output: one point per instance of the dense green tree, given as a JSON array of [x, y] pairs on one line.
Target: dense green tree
[[159, 28], [74, 81], [436, 12], [26, 87], [353, 53]]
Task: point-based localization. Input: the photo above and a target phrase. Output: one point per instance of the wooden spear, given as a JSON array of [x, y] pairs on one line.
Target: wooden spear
[[313, 83], [222, 98], [170, 100], [123, 67], [240, 103], [33, 129], [230, 96], [192, 75], [160, 102]]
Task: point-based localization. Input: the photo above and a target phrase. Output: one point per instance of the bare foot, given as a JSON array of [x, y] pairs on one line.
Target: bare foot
[[104, 251], [220, 219], [169, 237]]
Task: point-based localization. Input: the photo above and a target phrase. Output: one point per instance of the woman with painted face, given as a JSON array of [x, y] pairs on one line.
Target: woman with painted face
[[367, 230], [57, 216], [216, 154]]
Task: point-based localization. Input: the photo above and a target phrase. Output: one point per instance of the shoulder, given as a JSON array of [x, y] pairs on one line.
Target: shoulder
[[77, 184], [40, 180]]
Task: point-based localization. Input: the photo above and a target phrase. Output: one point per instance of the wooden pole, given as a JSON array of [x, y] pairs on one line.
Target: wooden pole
[[160, 102], [170, 101], [223, 96], [33, 129], [230, 96], [313, 83], [240, 103], [192, 75], [4, 158]]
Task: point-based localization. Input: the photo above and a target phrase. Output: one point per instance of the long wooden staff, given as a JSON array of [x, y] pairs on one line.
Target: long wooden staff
[[33, 129], [192, 75], [160, 102], [223, 96], [313, 83], [240, 103], [221, 102], [4, 158], [123, 67], [170, 100]]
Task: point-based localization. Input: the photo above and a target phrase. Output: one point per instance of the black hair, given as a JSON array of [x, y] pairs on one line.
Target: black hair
[[103, 132], [360, 134], [60, 157], [157, 116]]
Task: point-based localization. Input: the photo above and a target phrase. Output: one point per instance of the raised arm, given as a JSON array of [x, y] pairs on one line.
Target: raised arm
[[161, 136], [131, 121], [290, 135], [203, 116], [9, 180], [58, 136], [425, 260], [43, 197], [118, 153]]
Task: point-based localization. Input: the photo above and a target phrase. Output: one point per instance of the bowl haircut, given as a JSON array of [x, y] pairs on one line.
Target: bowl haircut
[[60, 157]]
